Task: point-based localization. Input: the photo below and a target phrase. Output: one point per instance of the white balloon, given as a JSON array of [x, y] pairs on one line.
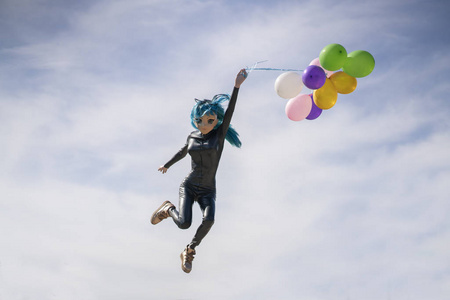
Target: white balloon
[[288, 85]]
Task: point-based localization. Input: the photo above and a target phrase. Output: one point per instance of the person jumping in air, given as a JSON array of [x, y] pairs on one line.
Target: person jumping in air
[[205, 147]]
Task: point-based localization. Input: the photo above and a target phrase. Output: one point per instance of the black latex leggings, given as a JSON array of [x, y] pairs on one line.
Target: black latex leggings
[[206, 198]]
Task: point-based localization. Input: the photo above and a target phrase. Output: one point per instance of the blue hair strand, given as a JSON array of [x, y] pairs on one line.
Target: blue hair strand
[[214, 107]]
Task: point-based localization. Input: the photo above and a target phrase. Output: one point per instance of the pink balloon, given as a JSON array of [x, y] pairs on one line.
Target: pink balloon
[[299, 107], [316, 62]]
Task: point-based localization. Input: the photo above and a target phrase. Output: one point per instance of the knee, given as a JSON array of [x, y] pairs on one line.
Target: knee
[[184, 225]]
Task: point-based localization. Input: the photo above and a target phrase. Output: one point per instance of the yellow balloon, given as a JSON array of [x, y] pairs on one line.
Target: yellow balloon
[[326, 96], [344, 83]]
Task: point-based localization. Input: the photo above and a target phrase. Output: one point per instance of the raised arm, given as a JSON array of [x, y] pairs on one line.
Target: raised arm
[[240, 78]]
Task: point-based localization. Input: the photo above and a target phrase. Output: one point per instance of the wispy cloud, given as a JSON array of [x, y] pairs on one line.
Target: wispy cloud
[[351, 205]]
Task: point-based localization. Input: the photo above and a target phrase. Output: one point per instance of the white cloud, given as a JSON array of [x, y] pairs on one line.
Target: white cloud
[[351, 205]]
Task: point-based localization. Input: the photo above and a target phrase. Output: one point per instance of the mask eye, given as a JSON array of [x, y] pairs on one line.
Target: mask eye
[[198, 121], [211, 121]]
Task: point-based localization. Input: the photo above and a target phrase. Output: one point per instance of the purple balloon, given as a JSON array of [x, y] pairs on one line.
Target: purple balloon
[[315, 111], [314, 77]]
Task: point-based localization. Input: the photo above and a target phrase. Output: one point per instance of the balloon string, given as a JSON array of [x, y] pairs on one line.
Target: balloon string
[[254, 66], [273, 69], [267, 69]]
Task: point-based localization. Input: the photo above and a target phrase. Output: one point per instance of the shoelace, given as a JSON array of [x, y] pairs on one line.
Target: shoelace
[[189, 256], [162, 214]]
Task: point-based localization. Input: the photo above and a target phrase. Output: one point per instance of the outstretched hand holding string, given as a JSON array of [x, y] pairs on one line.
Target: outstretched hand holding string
[[240, 78]]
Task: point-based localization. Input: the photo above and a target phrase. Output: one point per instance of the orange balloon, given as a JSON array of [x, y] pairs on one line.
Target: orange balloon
[[326, 96], [344, 83]]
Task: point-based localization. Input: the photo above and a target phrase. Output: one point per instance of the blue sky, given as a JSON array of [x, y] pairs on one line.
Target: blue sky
[[96, 95]]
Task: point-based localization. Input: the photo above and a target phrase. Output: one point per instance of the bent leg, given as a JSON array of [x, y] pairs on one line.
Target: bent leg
[[208, 206], [183, 217]]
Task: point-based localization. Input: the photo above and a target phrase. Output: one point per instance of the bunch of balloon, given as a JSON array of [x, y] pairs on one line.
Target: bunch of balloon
[[324, 77], [354, 65]]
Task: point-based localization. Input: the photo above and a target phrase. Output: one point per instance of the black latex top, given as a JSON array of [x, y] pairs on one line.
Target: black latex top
[[206, 150]]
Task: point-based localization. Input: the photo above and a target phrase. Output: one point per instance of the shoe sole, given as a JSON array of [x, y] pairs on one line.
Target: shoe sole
[[154, 220]]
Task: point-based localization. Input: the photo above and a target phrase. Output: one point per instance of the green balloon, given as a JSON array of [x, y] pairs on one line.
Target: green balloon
[[359, 64], [333, 57]]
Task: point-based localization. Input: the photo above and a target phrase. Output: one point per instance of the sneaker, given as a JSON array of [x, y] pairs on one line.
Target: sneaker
[[162, 212], [187, 256]]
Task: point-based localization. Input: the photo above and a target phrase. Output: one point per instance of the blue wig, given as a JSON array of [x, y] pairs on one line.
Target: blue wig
[[214, 107]]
